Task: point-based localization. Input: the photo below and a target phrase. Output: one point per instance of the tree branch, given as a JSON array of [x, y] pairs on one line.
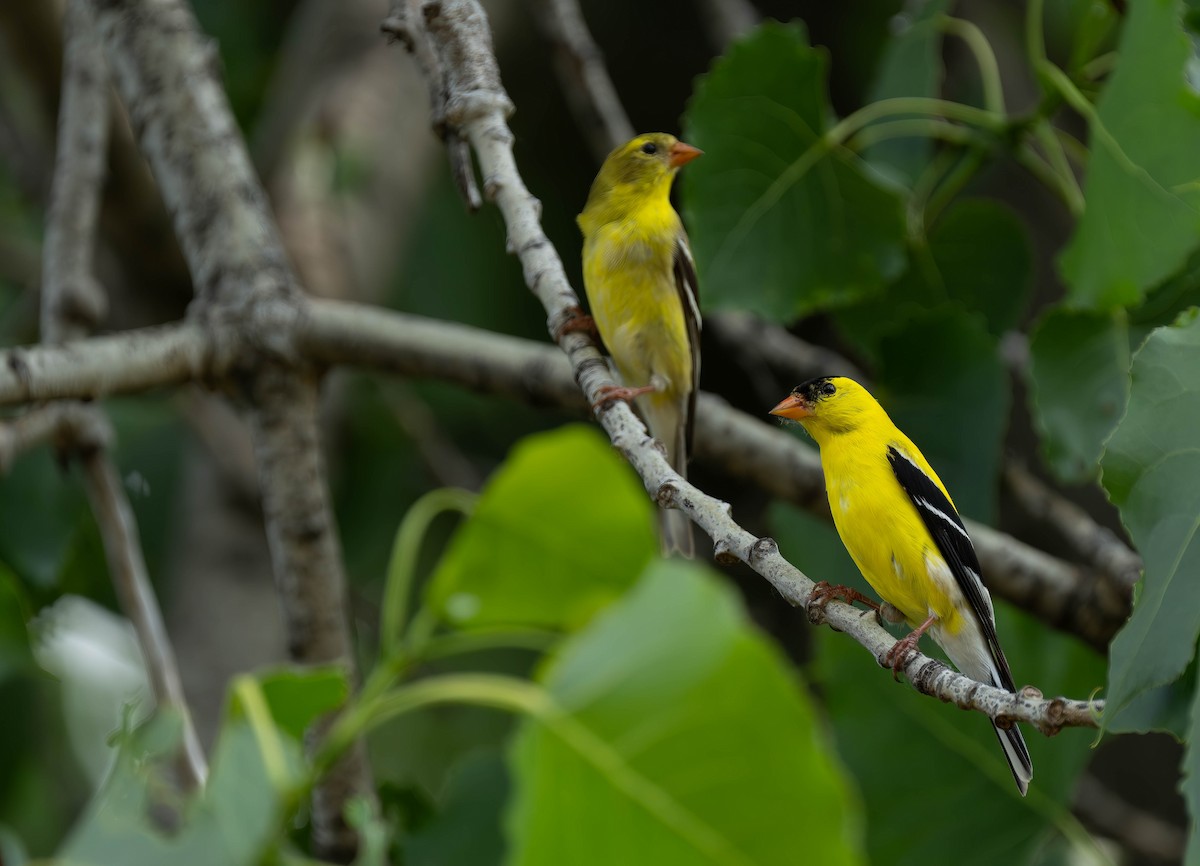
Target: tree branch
[[165, 72], [1095, 544], [457, 31], [581, 71], [72, 305]]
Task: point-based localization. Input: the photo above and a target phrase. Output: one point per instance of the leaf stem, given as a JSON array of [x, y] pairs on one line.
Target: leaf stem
[[914, 127], [402, 567], [487, 690], [985, 57]]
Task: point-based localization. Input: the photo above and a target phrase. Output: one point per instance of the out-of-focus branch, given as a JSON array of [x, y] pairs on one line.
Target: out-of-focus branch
[[726, 20], [164, 72], [458, 33], [1060, 594], [72, 304], [1095, 544], [580, 64], [1135, 829], [440, 91]]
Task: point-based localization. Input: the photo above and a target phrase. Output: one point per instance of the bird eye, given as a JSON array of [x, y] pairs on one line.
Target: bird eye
[[828, 388], [650, 147]]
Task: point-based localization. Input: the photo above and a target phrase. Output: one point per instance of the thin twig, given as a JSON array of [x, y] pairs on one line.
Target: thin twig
[[72, 305], [584, 78], [458, 32]]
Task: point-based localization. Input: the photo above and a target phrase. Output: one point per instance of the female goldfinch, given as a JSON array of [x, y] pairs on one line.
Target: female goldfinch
[[641, 286], [902, 531]]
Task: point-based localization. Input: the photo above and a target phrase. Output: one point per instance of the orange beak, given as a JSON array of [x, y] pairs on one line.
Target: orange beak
[[792, 407], [682, 154]]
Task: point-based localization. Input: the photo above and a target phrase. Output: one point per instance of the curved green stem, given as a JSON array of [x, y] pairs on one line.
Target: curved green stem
[[1035, 34], [952, 183], [1043, 130], [1039, 168], [985, 57], [914, 127], [254, 705], [487, 690], [460, 642], [401, 573], [837, 135]]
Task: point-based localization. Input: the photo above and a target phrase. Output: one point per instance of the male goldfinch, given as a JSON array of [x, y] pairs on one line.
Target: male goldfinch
[[904, 534], [641, 286]]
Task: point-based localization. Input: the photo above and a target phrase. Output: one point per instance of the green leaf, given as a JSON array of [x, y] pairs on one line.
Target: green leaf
[[911, 66], [779, 226], [15, 654], [1079, 384], [1143, 201], [983, 260], [296, 697], [1152, 474], [951, 398], [679, 737], [467, 828], [559, 532]]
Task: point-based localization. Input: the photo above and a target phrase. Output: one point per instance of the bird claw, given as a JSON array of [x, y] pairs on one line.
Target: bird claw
[[897, 657], [578, 321], [609, 394], [824, 591]]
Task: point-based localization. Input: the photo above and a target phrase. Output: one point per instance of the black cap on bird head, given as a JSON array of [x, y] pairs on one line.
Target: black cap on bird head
[[804, 398]]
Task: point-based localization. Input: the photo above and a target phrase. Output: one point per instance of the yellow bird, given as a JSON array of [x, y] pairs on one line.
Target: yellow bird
[[904, 534], [641, 285]]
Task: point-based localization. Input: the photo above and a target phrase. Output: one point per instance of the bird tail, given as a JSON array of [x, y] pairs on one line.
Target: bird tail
[[1018, 756], [668, 425], [972, 654]]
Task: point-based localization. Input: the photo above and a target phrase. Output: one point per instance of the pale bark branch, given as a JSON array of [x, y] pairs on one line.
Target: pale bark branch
[[478, 107], [72, 305], [590, 92], [165, 72], [1060, 594], [126, 363]]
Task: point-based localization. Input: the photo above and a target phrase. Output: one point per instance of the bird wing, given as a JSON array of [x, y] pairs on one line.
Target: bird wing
[[946, 527], [685, 283]]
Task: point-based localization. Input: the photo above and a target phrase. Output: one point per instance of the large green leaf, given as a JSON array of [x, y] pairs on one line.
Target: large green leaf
[[1079, 378], [15, 654], [1152, 474], [680, 738], [1143, 202], [778, 227], [467, 828], [890, 735], [951, 397], [559, 532], [911, 65]]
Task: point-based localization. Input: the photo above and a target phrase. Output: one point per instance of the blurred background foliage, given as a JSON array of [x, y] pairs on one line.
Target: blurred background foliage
[[1006, 266]]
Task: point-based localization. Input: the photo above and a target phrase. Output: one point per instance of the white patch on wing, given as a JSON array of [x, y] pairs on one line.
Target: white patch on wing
[[941, 515]]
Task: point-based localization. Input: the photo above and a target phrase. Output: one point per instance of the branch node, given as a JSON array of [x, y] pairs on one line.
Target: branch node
[[723, 553], [665, 495], [764, 548]]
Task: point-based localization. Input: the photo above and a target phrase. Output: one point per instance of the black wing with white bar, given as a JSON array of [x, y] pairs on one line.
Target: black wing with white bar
[[689, 297], [950, 536]]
